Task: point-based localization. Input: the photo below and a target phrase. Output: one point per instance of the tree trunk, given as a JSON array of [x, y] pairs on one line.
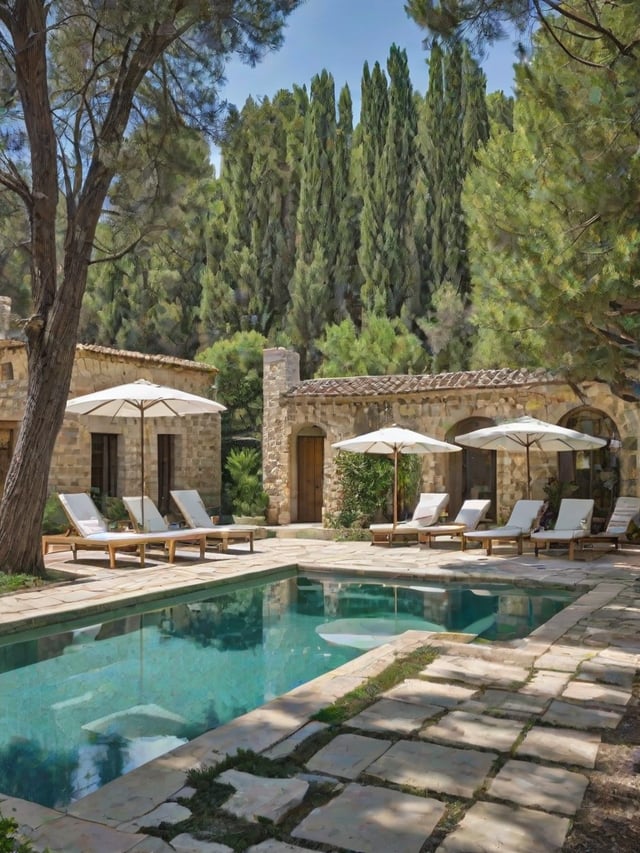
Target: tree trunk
[[51, 357]]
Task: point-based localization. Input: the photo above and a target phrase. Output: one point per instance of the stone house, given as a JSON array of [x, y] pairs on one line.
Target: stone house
[[102, 455], [302, 419]]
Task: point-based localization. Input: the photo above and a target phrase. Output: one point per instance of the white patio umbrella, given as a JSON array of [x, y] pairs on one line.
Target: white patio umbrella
[[140, 399], [392, 441], [525, 433]]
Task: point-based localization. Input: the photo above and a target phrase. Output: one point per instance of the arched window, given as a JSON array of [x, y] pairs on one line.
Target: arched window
[[595, 473]]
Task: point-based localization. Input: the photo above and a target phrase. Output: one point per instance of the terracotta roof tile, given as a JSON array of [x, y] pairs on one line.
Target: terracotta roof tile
[[365, 386], [127, 355], [144, 357]]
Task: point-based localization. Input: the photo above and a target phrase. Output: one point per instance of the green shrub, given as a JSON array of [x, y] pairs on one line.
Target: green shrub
[[244, 489], [10, 841], [114, 510], [366, 487], [54, 519]]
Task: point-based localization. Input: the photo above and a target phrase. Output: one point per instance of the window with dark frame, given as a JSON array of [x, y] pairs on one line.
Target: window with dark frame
[[104, 466], [166, 454]]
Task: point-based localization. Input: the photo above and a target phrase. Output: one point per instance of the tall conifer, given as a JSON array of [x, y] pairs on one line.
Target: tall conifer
[[346, 273], [374, 114], [455, 123], [310, 290], [388, 251]]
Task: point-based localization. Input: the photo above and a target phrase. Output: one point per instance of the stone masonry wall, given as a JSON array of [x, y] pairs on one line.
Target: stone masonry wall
[[281, 371], [197, 437], [436, 413]]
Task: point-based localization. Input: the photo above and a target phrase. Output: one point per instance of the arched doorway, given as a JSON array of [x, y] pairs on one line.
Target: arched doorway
[[472, 473], [310, 480], [594, 473]]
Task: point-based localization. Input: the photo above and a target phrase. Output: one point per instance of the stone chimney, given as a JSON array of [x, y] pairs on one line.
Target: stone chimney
[[281, 371], [5, 317]]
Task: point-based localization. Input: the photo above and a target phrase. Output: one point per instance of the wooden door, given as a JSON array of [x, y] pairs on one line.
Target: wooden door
[[310, 477]]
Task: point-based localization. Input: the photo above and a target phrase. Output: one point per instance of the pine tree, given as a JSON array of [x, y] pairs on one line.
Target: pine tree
[[161, 218], [553, 213]]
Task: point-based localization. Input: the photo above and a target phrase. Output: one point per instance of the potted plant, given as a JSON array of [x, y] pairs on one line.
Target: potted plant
[[248, 499]]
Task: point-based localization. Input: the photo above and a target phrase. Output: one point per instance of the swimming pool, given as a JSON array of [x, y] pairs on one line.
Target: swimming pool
[[90, 702]]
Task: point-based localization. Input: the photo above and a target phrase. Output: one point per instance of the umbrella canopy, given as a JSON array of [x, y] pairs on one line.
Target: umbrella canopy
[[392, 441], [139, 399], [524, 433]]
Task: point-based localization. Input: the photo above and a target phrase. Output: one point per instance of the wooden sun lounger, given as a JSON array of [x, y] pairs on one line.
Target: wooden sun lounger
[[429, 508], [114, 542], [196, 516], [469, 517], [572, 526], [228, 535], [88, 531]]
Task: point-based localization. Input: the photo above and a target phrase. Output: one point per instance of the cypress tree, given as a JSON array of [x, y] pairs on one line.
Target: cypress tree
[[252, 233], [373, 131], [454, 250], [455, 124], [346, 273], [310, 289], [387, 222]]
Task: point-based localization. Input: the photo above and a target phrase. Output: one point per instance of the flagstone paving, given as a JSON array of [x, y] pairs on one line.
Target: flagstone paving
[[566, 746], [553, 789], [491, 826], [348, 755], [388, 715], [372, 820], [432, 767], [492, 745]]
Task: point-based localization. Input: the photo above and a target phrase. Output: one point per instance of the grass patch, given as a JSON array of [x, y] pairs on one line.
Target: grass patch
[[208, 821], [15, 583], [248, 762], [352, 703]]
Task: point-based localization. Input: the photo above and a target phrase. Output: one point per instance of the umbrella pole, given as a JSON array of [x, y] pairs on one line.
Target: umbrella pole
[[528, 476], [142, 467], [395, 488]]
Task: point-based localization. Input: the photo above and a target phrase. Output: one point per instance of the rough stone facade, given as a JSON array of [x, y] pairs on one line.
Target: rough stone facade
[[438, 405], [197, 438]]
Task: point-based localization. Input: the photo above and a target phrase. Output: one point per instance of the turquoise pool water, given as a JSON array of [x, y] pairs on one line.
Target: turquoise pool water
[[90, 702]]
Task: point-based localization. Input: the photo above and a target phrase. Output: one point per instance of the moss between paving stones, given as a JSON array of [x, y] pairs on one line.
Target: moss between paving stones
[[357, 700]]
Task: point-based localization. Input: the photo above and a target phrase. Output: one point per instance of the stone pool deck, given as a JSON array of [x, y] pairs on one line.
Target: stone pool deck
[[490, 748]]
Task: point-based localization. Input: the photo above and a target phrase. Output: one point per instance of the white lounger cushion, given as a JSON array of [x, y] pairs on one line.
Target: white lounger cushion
[[469, 517], [153, 521], [573, 522], [191, 507], [520, 522], [428, 509], [83, 514]]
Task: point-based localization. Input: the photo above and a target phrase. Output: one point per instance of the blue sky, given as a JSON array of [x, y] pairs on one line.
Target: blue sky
[[340, 35]]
